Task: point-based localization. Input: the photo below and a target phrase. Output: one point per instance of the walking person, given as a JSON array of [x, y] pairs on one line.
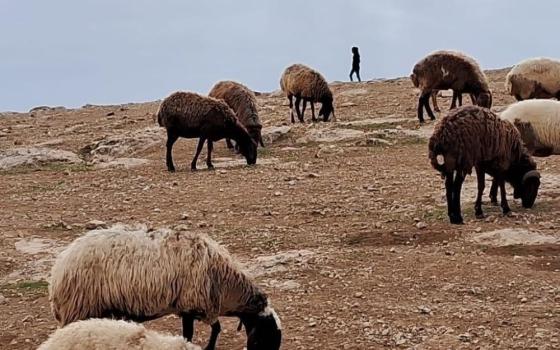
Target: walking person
[[355, 64]]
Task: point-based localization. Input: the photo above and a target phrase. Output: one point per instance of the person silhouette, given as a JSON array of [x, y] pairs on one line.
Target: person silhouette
[[355, 64]]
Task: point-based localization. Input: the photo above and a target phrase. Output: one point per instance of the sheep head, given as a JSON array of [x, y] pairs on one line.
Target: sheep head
[[525, 180], [264, 331]]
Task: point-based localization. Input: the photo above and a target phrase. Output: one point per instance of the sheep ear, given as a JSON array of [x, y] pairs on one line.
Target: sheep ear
[[531, 175]]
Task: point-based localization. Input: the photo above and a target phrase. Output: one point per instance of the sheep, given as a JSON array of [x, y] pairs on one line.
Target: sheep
[[137, 275], [95, 334], [472, 136], [538, 122], [190, 115], [302, 82], [534, 78], [443, 70], [244, 104]]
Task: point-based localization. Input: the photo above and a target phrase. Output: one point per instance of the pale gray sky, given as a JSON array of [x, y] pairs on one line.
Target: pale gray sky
[[73, 52]]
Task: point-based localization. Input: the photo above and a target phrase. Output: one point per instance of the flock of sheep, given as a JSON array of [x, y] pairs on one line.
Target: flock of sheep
[[138, 276]]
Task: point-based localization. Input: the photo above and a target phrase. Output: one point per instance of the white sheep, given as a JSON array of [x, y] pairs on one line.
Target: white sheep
[[538, 121], [96, 334], [534, 78], [137, 275]]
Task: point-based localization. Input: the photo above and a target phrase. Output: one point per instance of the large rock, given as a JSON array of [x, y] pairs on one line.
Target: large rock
[[273, 133], [35, 156], [331, 135], [513, 236], [124, 145]]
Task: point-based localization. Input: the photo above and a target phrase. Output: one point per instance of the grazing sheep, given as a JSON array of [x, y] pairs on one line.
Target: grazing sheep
[[244, 104], [444, 70], [302, 82], [189, 115], [137, 275], [534, 78], [538, 122], [472, 136], [96, 334]]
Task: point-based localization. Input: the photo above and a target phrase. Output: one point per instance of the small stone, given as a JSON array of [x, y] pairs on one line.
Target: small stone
[[465, 337], [478, 229], [359, 294], [424, 310], [392, 250], [277, 194], [523, 300], [95, 224], [3, 300], [110, 114], [421, 225], [185, 216], [313, 175]]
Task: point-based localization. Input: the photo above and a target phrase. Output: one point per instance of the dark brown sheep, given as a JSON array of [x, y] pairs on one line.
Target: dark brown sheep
[[444, 70], [472, 136], [244, 103], [306, 84], [189, 115]]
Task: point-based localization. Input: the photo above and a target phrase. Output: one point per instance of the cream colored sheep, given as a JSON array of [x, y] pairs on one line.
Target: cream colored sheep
[[128, 273], [306, 84], [97, 334], [534, 78], [538, 121]]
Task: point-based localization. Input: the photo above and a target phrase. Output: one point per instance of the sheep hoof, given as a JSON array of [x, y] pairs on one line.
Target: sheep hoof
[[480, 216], [193, 169], [171, 170], [494, 201], [508, 213], [211, 167], [456, 220]]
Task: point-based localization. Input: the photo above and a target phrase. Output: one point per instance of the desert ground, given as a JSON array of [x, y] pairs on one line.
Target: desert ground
[[343, 223]]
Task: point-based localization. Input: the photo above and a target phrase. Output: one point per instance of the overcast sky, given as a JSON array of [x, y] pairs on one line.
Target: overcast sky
[[73, 52]]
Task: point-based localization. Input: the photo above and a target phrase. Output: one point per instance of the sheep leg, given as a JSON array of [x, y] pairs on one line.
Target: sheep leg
[[457, 185], [434, 101], [198, 150], [358, 75], [216, 328], [478, 204], [504, 204], [209, 147], [313, 112], [290, 98], [304, 106], [473, 99], [426, 99], [188, 326], [449, 195], [171, 138], [454, 100], [494, 192], [299, 115]]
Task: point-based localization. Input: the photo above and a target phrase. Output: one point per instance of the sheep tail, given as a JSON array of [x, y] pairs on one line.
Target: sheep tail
[[160, 117], [436, 154]]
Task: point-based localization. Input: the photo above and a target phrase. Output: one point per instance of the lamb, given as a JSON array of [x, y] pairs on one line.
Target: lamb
[[302, 82], [472, 136], [443, 70], [244, 104], [137, 275], [538, 122], [534, 78], [189, 115], [95, 334]]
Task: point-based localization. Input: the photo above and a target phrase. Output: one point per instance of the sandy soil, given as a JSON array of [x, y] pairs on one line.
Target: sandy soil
[[350, 214]]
